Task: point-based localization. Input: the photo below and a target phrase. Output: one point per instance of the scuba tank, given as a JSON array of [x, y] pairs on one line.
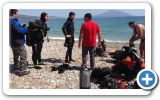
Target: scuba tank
[[85, 79]]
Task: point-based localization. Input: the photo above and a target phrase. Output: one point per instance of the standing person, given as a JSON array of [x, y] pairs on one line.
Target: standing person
[[37, 39], [68, 31], [138, 33], [17, 41], [89, 31]]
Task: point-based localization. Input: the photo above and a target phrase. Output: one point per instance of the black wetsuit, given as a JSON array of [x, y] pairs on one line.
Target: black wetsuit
[[37, 39], [68, 29]]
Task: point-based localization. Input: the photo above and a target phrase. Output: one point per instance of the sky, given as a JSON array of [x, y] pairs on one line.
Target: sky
[[79, 12]]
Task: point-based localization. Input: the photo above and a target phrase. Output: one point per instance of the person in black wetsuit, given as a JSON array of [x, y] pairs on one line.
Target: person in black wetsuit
[[68, 31], [37, 39]]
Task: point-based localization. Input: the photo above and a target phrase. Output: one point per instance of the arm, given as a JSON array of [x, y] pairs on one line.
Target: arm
[[81, 36], [45, 28], [136, 35], [80, 40], [99, 39], [132, 39], [99, 36], [18, 27], [64, 28]]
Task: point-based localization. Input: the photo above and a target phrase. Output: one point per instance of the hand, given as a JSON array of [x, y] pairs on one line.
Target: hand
[[48, 28], [130, 42], [79, 45], [68, 36], [99, 44], [24, 25]]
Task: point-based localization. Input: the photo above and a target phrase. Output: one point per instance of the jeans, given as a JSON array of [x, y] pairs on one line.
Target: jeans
[[91, 51]]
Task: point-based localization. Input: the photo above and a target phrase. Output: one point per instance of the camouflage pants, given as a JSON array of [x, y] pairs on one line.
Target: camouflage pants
[[20, 57]]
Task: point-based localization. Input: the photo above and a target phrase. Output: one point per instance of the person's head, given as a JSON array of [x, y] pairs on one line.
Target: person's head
[[132, 24], [87, 17], [13, 13], [44, 17], [71, 15]]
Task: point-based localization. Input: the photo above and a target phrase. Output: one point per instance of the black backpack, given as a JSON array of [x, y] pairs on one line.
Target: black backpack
[[99, 52], [34, 26], [124, 52]]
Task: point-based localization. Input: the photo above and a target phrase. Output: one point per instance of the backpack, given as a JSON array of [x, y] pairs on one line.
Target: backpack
[[124, 52], [103, 43], [99, 52], [34, 27]]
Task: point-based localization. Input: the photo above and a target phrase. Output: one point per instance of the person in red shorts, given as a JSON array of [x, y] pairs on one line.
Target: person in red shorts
[[89, 31]]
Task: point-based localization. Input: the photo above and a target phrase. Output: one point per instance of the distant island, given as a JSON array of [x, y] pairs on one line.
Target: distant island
[[113, 13]]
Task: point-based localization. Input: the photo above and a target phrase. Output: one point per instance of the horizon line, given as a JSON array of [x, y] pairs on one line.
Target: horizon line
[[58, 17]]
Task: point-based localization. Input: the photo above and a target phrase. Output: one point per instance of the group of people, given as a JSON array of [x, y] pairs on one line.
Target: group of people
[[87, 39], [18, 34]]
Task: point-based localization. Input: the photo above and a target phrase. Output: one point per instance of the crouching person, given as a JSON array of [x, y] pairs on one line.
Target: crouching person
[[17, 41], [138, 34]]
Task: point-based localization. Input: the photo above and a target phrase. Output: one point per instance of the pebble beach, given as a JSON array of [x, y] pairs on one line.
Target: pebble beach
[[53, 54]]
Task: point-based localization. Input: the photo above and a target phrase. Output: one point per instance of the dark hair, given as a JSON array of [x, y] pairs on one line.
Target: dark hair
[[88, 15], [131, 23], [13, 11], [43, 16], [71, 13]]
